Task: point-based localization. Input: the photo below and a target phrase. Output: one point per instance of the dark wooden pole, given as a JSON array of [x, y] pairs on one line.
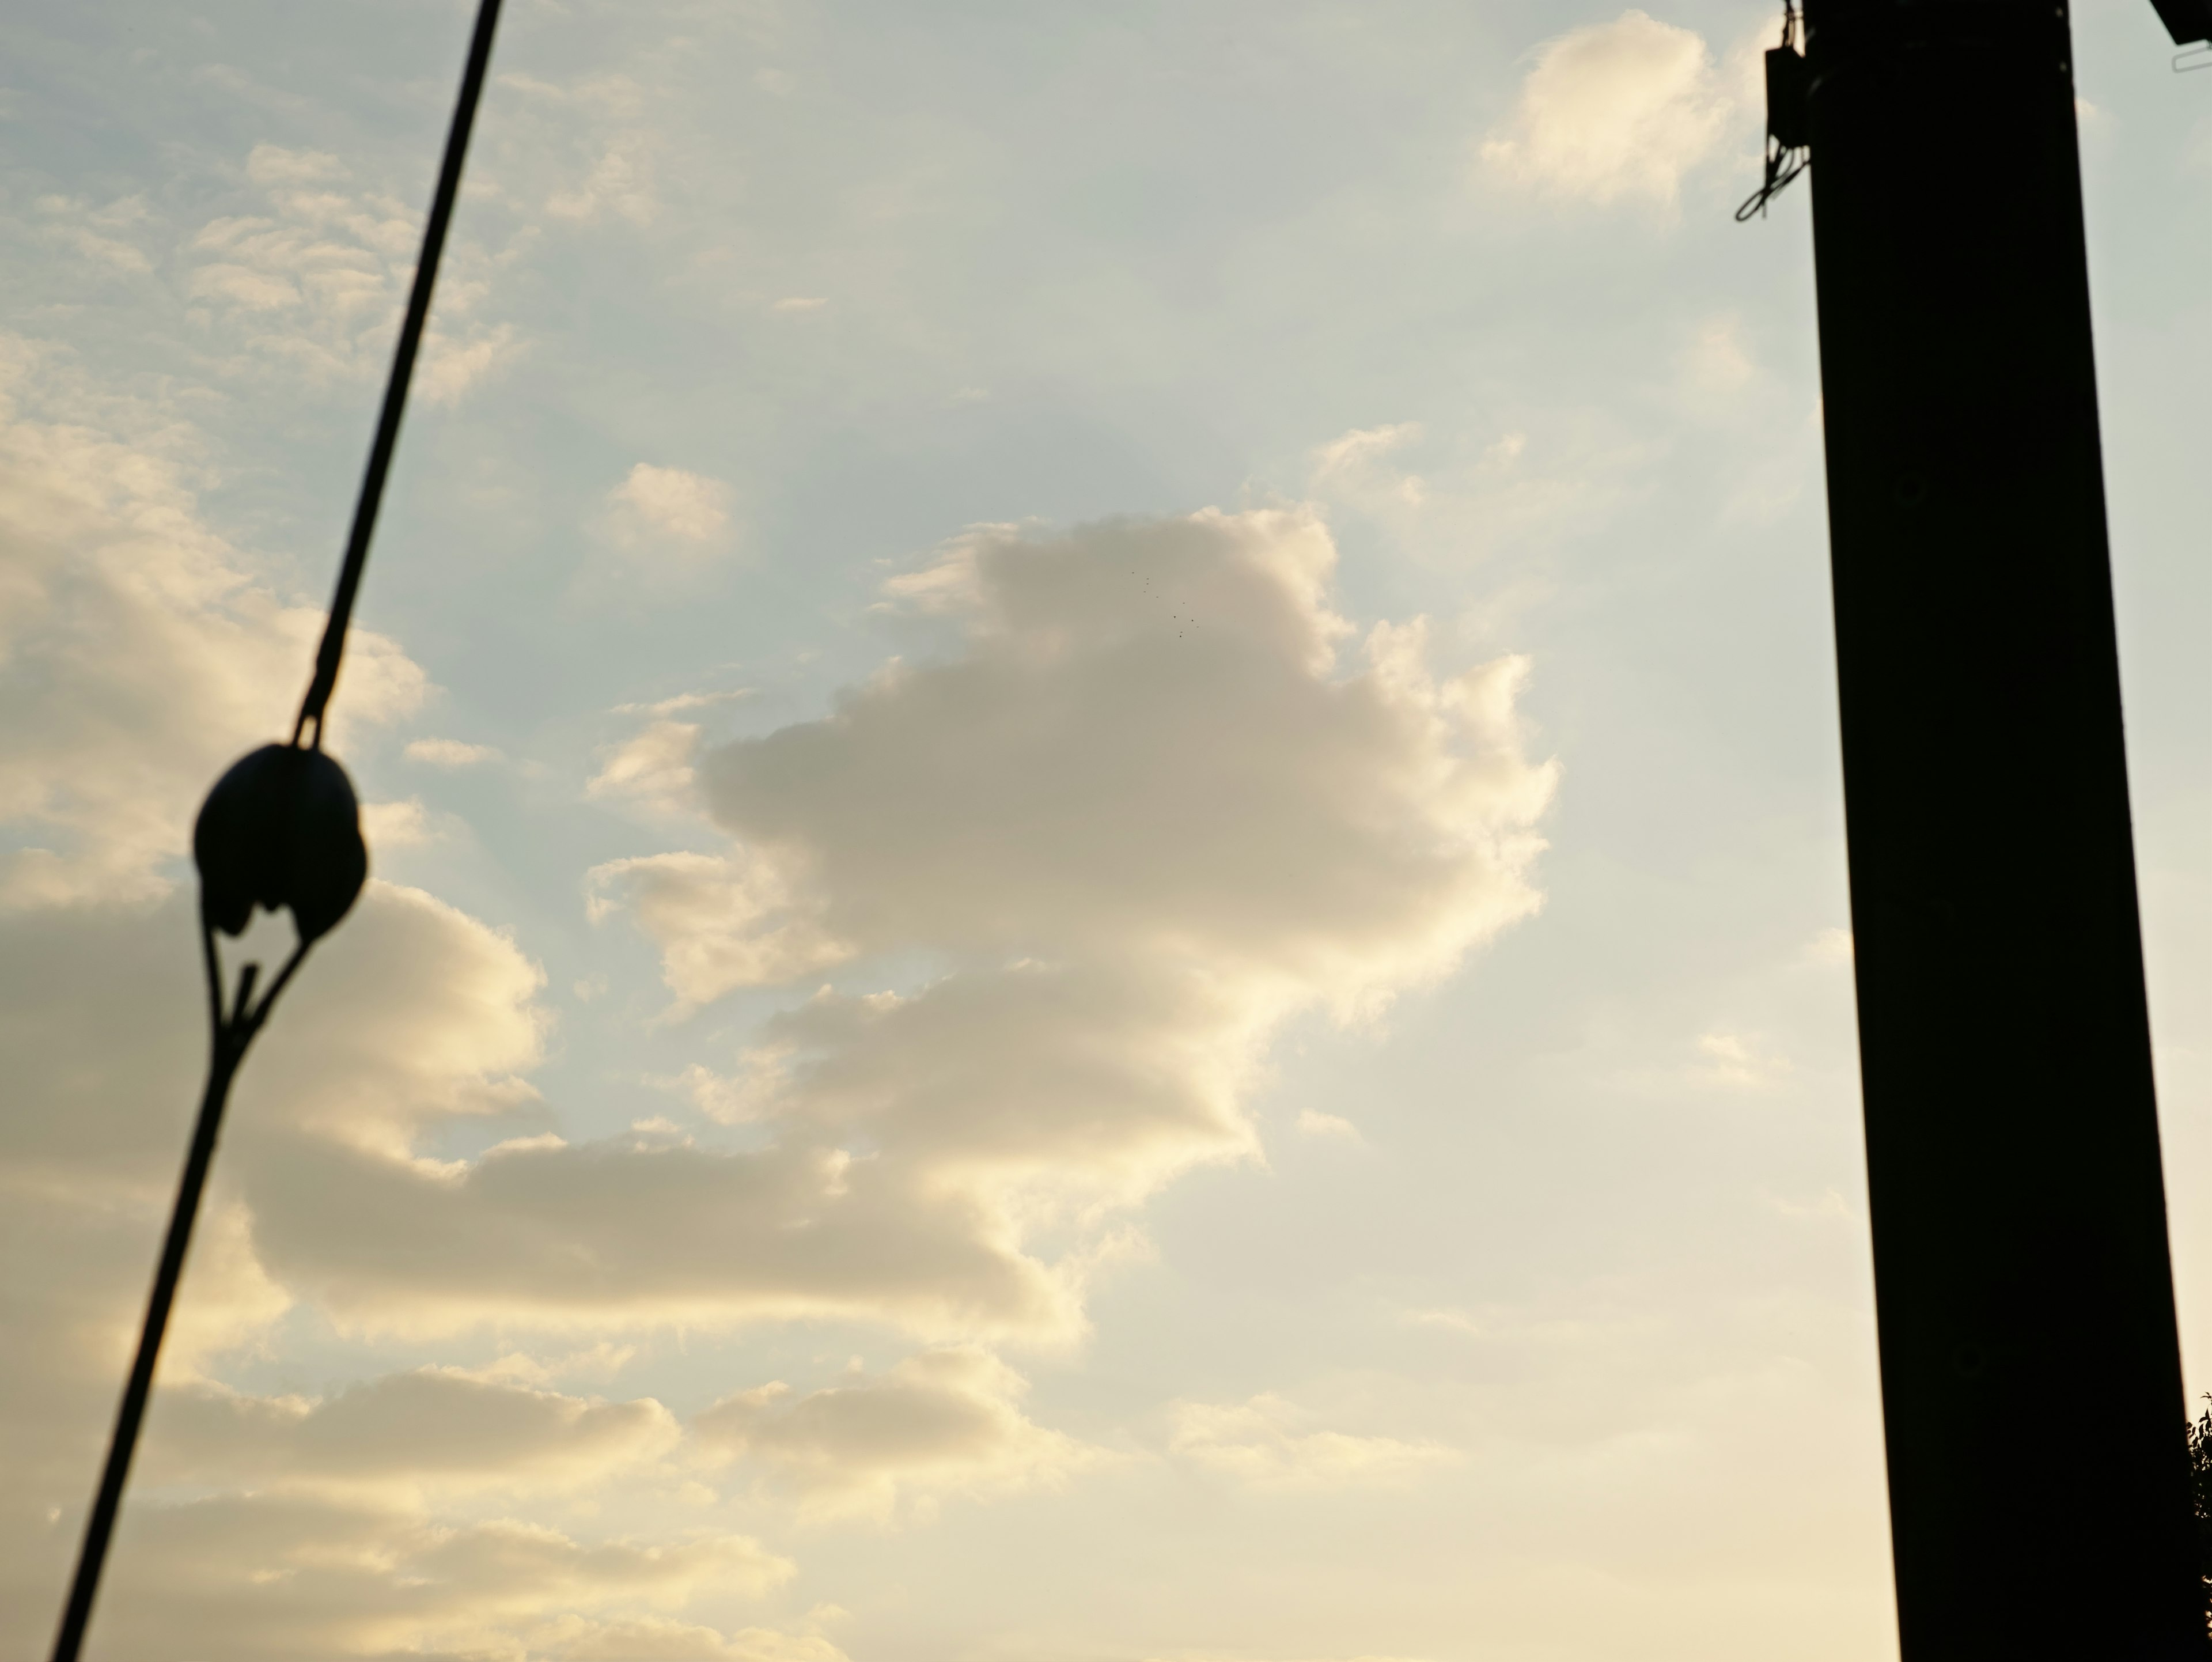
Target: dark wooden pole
[[2030, 1377]]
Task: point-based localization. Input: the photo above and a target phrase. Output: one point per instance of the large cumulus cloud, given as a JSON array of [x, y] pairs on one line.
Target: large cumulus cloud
[[1149, 747], [1158, 801], [1149, 808]]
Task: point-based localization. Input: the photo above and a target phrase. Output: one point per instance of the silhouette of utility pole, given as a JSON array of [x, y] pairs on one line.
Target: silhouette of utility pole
[[2039, 1495]]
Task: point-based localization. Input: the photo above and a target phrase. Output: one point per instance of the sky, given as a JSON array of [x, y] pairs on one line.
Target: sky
[[1107, 918]]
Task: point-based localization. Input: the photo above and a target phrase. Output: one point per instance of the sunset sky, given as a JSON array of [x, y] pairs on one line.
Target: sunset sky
[[1107, 919]]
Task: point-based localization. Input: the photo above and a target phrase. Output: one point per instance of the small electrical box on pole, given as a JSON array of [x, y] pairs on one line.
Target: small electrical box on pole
[[2031, 1378]]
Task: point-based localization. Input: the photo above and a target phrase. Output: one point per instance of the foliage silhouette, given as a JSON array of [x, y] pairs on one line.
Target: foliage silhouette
[[2200, 1494]]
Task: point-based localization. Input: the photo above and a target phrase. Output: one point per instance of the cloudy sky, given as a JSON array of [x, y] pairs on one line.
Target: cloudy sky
[[1110, 921]]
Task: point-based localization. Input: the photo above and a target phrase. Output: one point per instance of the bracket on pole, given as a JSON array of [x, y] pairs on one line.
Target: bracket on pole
[[1788, 84]]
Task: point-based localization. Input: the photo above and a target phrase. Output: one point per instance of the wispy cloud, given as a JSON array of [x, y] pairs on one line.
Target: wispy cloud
[[1269, 1443]]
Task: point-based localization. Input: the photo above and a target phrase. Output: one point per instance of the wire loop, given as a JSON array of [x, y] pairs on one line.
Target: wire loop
[[1782, 166]]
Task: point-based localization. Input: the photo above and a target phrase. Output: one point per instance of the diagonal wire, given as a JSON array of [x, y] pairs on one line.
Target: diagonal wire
[[233, 1029], [403, 371]]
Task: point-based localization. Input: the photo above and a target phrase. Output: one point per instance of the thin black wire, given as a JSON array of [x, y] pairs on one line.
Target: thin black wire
[[232, 1029], [1782, 166], [403, 371]]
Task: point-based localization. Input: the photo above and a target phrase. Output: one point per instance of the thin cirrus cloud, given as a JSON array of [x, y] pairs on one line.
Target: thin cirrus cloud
[[1358, 468], [1615, 111], [1737, 1062], [587, 149], [1268, 1443]]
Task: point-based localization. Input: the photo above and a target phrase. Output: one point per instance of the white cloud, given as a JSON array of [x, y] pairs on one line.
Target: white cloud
[[1829, 1206], [138, 658], [90, 233], [449, 752], [656, 766], [1739, 1063], [653, 765], [1147, 814], [672, 1235], [949, 586], [1458, 497], [276, 1576], [401, 1433], [669, 511], [1129, 917], [311, 284], [658, 1639], [272, 165], [403, 824], [589, 145], [1265, 1444], [1149, 746], [620, 182], [601, 1362], [1359, 447], [1455, 1321], [1199, 1656], [1717, 366], [1613, 110], [945, 1422], [1315, 1124], [1831, 946], [1355, 466], [723, 921], [449, 368]]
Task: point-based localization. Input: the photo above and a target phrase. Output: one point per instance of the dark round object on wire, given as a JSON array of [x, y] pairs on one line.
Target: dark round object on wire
[[281, 828]]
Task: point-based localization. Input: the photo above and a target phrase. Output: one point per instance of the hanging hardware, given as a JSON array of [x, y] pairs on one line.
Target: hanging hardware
[[280, 830], [1788, 141]]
